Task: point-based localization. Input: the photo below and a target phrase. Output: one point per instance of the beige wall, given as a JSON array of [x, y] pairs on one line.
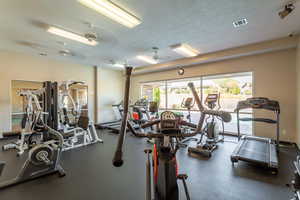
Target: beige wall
[[298, 93], [274, 77], [15, 66], [109, 91]]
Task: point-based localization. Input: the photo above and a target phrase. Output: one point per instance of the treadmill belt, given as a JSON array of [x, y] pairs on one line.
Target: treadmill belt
[[255, 150]]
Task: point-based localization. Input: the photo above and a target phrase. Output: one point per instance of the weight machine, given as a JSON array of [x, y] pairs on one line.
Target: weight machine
[[82, 131], [43, 158]]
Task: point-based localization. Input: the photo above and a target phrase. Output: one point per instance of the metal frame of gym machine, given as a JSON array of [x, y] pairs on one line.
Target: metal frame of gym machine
[[253, 149], [43, 159], [296, 181]]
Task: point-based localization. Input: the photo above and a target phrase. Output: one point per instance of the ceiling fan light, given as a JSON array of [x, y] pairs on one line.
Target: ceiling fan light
[[112, 11], [71, 36], [147, 59], [185, 50]]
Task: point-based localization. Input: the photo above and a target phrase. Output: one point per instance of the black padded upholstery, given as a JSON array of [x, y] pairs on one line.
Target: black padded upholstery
[[83, 122], [2, 164]]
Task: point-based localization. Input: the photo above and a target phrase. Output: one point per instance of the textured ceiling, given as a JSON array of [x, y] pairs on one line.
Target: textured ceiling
[[204, 24]]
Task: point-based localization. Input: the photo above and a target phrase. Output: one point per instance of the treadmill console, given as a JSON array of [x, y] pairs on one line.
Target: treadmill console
[[259, 103]]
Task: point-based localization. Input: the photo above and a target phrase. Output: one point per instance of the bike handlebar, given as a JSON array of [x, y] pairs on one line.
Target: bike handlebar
[[225, 116]]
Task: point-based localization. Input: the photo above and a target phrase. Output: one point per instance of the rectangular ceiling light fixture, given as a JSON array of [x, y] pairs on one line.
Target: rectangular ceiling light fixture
[[185, 50], [112, 11], [71, 36], [147, 59], [118, 65]]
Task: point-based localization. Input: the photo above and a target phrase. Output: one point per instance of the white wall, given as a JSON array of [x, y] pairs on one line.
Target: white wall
[[16, 66], [109, 91], [274, 77]]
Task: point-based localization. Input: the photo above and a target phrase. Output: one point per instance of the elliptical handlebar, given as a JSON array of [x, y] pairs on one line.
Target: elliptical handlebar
[[160, 135], [225, 116], [196, 96], [118, 157]]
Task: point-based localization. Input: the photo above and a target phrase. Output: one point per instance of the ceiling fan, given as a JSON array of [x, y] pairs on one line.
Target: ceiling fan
[[155, 56], [45, 50]]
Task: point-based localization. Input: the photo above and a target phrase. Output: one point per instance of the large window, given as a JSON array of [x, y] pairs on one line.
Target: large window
[[155, 91], [231, 87]]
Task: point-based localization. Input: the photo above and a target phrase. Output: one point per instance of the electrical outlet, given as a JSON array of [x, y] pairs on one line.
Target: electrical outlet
[[283, 132]]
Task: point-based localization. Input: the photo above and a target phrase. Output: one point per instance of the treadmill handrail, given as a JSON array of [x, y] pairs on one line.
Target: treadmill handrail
[[261, 103], [256, 119]]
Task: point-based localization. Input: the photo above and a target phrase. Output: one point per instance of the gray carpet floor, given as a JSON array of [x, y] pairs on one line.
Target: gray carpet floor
[[91, 176]]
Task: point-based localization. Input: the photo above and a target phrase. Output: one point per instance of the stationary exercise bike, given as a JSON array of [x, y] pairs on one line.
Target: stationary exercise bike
[[43, 159], [211, 129], [164, 170]]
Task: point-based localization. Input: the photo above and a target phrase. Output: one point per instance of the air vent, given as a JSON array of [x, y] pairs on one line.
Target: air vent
[[91, 36], [239, 23]]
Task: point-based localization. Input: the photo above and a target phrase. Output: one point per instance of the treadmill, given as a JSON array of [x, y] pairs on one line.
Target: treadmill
[[258, 150]]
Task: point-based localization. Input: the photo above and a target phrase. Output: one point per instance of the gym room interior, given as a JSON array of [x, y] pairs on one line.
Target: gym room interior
[[154, 100]]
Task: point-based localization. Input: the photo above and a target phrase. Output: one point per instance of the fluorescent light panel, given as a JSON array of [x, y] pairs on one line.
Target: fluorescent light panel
[[147, 59], [71, 36], [118, 65], [185, 50], [112, 11]]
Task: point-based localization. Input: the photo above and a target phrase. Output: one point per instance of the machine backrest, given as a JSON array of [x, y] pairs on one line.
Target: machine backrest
[[153, 107], [83, 122], [2, 164]]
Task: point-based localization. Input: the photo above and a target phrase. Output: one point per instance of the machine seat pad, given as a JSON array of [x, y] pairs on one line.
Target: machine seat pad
[[68, 135]]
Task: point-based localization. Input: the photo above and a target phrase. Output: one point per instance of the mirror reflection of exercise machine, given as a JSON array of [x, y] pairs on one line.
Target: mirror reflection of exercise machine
[[30, 121], [211, 130], [253, 149], [81, 131]]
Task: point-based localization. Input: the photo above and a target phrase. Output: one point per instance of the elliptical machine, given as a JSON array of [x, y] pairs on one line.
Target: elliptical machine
[[211, 129], [165, 168], [188, 103]]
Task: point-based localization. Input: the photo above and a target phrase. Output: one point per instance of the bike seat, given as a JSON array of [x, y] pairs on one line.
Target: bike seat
[[68, 135]]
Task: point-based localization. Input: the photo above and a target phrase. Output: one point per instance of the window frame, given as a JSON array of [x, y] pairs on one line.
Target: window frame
[[201, 78]]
